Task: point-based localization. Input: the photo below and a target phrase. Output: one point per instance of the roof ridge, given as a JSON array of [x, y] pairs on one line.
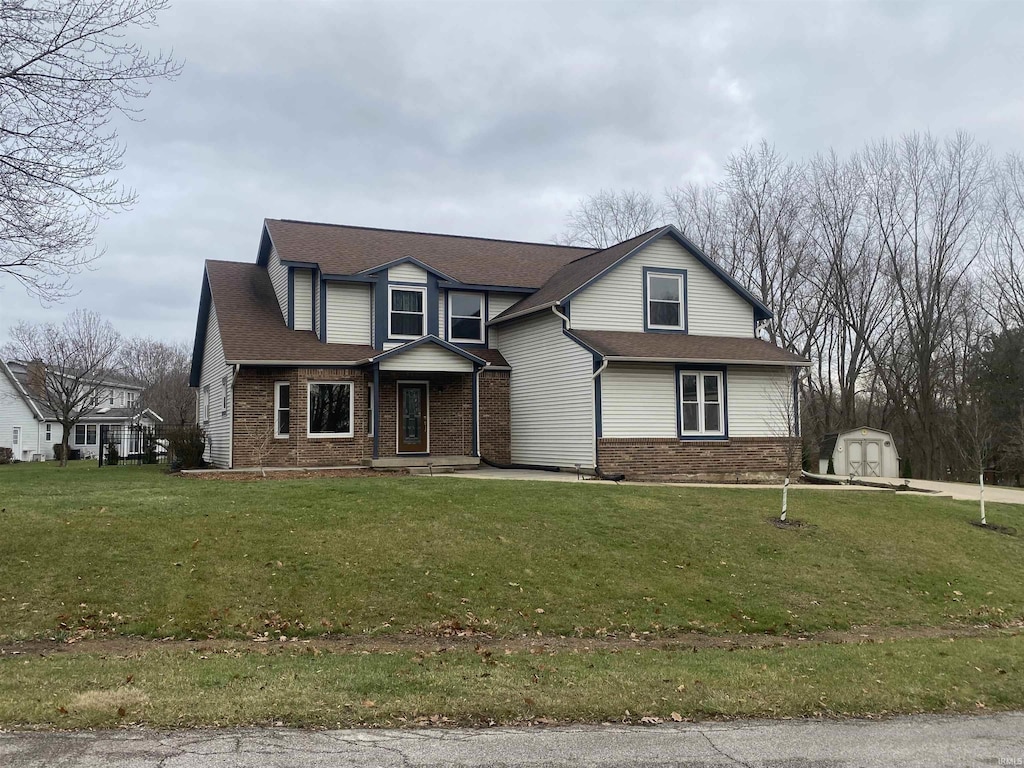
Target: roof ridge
[[433, 234], [615, 245]]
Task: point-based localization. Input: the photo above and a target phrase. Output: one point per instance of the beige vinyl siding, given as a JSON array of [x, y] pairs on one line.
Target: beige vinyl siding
[[279, 279], [638, 401], [496, 304], [442, 315], [615, 301], [551, 394], [218, 428], [348, 313], [303, 299], [760, 399], [407, 273], [427, 357]]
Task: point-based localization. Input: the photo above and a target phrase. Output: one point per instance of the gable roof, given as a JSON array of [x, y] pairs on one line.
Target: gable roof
[[347, 250], [684, 348], [429, 339], [21, 390], [578, 274], [253, 331]]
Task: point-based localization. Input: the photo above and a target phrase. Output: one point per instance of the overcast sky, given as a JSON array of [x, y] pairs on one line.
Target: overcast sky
[[493, 119]]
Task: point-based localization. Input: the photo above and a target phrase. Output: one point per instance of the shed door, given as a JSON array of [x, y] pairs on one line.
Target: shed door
[[855, 457], [872, 458], [16, 443]]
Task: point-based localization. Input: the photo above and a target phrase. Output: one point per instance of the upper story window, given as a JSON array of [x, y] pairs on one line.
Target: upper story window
[[701, 404], [665, 310], [466, 317], [110, 397], [407, 317], [131, 399]]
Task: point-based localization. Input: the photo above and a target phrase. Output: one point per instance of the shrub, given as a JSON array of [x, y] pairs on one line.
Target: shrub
[[113, 455], [6, 455], [185, 446]]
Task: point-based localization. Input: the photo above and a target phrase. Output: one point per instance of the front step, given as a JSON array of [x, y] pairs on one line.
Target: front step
[[397, 462], [435, 470]]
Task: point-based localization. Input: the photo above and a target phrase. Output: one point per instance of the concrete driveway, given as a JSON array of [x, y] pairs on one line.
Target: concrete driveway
[[968, 492], [911, 741]]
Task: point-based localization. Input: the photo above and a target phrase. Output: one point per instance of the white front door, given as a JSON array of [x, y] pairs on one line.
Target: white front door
[[16, 443]]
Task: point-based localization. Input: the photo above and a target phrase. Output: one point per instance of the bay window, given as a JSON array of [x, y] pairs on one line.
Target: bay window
[[329, 412], [701, 403], [465, 317], [407, 315]]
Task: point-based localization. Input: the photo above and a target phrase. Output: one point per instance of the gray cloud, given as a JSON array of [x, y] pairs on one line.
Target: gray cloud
[[493, 119]]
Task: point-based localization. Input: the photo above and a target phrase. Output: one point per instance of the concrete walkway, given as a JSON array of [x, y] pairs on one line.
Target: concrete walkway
[[963, 491], [910, 741]]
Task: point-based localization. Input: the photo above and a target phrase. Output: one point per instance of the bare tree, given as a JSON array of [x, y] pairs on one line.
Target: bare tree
[[66, 68], [1006, 256], [68, 365], [162, 369], [929, 199], [608, 218]]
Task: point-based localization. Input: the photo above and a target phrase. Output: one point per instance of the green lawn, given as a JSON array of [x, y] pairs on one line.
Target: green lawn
[[294, 687], [129, 550]]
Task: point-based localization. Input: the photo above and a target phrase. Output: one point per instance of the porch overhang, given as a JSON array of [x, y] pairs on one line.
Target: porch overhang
[[428, 354]]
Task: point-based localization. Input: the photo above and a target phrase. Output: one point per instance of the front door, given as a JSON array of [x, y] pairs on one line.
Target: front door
[[412, 417]]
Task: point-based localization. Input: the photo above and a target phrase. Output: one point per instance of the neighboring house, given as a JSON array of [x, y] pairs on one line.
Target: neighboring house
[[861, 452], [347, 345], [30, 429]]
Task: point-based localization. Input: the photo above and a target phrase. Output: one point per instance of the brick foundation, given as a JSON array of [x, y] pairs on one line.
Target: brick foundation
[[450, 429], [737, 460]]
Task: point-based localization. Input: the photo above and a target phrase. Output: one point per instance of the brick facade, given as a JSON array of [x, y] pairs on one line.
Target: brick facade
[[495, 417], [450, 414], [739, 459]]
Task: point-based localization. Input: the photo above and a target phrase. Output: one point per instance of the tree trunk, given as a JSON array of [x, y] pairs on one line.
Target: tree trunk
[[64, 447]]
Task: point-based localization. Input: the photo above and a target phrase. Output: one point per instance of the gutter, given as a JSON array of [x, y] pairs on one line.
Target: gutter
[[600, 370], [708, 361], [521, 313]]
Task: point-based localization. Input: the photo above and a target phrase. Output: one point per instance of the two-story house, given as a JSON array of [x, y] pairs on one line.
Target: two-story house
[[347, 345], [30, 428]]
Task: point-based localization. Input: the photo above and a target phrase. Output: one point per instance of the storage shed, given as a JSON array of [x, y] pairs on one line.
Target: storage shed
[[862, 452]]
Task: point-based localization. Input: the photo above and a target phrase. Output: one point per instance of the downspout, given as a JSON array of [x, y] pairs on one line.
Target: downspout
[[568, 323]]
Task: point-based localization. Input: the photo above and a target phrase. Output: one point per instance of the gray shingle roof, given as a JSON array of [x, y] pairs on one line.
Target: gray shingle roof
[[683, 347], [345, 250]]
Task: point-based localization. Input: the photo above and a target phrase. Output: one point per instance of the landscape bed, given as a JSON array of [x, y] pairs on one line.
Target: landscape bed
[[133, 555]]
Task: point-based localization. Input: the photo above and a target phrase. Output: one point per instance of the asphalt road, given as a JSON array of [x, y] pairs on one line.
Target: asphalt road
[[909, 741]]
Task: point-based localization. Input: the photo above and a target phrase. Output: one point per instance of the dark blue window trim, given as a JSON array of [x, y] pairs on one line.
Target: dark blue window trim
[[683, 300], [323, 310], [725, 402], [476, 408], [376, 410], [448, 319]]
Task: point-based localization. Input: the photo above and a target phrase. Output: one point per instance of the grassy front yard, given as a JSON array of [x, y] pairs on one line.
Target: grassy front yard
[[128, 551]]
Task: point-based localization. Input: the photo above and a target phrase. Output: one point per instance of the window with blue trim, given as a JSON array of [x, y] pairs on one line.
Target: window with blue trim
[[407, 318], [466, 317], [664, 301], [701, 404]]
